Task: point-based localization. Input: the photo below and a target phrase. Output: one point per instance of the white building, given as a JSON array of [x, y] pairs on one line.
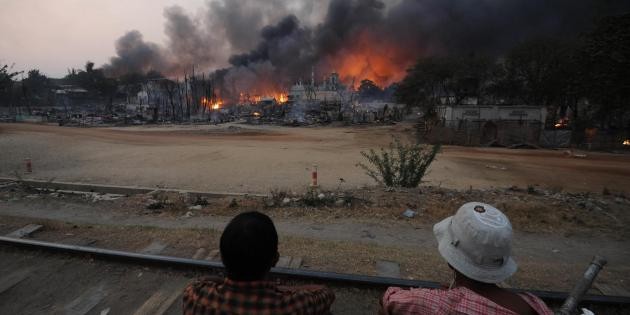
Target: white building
[[329, 91], [491, 113]]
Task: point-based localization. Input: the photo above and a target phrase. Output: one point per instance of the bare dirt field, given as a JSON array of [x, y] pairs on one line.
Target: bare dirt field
[[243, 158]]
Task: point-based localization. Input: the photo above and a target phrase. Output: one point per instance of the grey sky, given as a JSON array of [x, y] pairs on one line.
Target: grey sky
[[54, 35]]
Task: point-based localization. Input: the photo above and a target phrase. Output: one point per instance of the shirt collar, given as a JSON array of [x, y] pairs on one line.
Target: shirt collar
[[249, 285]]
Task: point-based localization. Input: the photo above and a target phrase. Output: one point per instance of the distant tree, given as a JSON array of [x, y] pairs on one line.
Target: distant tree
[[531, 73], [425, 83], [6, 83], [35, 89], [369, 90], [95, 81], [36, 84], [605, 65], [466, 77]]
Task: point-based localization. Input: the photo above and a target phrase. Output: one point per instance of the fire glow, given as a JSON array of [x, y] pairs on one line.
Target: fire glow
[[212, 104], [279, 97], [626, 142], [369, 59]]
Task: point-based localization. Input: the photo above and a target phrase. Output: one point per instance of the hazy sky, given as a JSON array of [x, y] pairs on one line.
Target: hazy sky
[[54, 35]]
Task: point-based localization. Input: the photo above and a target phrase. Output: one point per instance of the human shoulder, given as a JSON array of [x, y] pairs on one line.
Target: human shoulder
[[194, 288], [308, 299], [536, 303], [416, 300]]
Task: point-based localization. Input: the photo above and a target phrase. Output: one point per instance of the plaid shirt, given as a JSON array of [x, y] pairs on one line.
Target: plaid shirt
[[256, 297], [459, 300]]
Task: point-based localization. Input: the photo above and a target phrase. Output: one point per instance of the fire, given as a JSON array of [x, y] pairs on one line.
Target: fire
[[562, 122], [281, 98], [369, 59], [212, 104], [626, 142]]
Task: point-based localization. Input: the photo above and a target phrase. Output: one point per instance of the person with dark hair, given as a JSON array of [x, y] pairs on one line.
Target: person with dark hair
[[249, 249], [476, 243]]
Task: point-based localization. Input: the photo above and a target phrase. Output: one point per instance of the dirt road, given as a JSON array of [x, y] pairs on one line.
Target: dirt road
[[260, 158]]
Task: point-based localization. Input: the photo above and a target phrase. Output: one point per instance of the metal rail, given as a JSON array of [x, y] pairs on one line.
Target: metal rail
[[329, 277]]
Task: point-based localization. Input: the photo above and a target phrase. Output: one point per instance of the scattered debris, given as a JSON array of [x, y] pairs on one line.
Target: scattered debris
[[201, 201], [409, 213], [386, 268], [570, 153], [188, 214], [153, 204], [494, 167], [154, 248], [368, 234], [197, 207], [233, 203], [269, 203], [105, 197]]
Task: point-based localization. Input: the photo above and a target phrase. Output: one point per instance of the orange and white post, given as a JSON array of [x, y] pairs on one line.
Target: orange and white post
[[314, 176], [29, 165]]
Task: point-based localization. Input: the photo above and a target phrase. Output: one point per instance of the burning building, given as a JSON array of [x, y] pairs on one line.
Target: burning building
[[329, 92]]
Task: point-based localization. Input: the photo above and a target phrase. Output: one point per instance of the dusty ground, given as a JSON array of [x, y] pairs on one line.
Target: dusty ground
[[260, 158]]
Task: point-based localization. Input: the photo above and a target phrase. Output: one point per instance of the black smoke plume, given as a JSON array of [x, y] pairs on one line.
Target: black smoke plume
[[267, 45]]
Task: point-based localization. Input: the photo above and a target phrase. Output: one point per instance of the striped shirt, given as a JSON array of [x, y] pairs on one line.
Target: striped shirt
[[254, 297], [459, 300]]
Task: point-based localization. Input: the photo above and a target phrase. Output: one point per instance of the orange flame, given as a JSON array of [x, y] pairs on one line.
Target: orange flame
[[212, 104], [370, 59]]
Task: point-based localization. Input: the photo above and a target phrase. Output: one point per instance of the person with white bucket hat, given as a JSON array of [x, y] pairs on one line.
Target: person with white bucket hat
[[477, 245]]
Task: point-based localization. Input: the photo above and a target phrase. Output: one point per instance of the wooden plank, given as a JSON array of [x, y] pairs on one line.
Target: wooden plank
[[284, 262], [86, 301], [162, 299], [25, 231], [9, 281], [611, 289], [154, 248], [296, 263], [214, 255], [199, 253]]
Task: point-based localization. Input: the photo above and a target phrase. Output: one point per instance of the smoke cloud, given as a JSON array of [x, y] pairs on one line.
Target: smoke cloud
[[260, 45]]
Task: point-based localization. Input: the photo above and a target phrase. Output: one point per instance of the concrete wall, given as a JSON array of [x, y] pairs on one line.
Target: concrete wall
[[492, 112]]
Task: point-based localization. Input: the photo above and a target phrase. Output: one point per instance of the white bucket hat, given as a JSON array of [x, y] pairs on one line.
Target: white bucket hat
[[477, 242]]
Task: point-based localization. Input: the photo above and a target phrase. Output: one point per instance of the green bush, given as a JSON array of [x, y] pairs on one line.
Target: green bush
[[401, 165]]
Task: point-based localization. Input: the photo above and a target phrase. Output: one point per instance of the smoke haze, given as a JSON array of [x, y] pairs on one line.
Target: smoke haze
[[268, 45]]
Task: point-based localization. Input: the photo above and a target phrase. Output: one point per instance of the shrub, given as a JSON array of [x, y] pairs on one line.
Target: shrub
[[401, 165]]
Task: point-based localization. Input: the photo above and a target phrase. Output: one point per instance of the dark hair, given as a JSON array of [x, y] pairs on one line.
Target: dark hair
[[249, 245]]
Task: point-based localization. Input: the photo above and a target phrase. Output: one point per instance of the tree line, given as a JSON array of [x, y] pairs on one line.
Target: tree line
[[173, 99], [592, 69]]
